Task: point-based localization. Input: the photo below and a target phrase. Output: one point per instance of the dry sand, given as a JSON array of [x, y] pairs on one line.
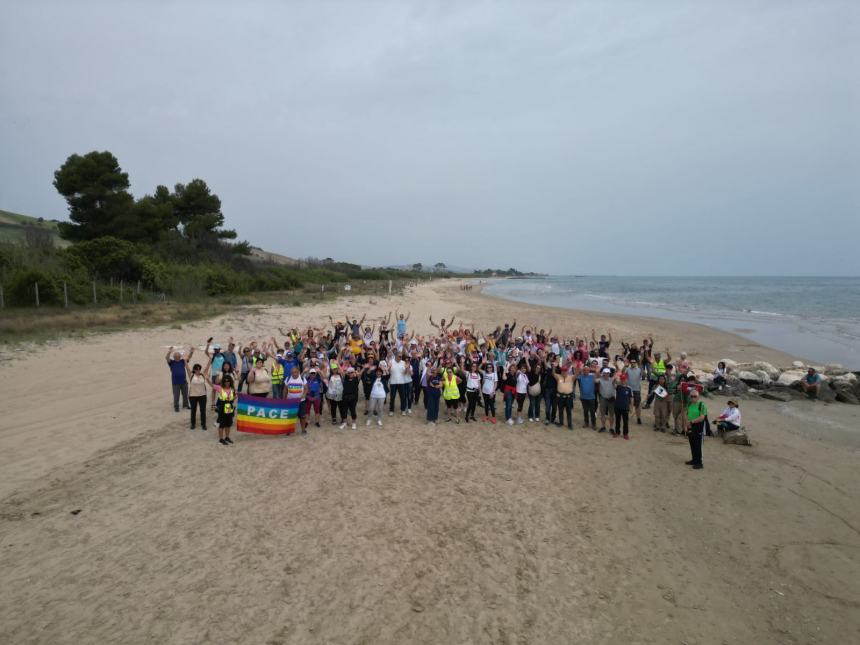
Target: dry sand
[[120, 525]]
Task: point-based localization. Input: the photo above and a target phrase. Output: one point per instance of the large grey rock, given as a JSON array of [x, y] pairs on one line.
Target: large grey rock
[[732, 365], [825, 392], [771, 371], [764, 378], [738, 437], [849, 377], [734, 387], [798, 364], [779, 394], [790, 377], [750, 378], [845, 393]]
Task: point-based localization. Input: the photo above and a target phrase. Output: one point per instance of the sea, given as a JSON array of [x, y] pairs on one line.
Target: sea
[[816, 319]]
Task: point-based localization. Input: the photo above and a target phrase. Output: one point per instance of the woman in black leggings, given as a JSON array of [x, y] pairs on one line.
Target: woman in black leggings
[[350, 397]]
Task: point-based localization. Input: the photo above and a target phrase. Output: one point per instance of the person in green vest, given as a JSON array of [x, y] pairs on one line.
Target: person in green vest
[[696, 414], [278, 377]]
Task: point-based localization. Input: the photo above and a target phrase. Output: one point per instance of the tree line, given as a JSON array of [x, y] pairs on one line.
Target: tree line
[[172, 242]]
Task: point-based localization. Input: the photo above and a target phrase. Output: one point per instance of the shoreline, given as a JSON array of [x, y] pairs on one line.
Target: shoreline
[[824, 342], [737, 347]]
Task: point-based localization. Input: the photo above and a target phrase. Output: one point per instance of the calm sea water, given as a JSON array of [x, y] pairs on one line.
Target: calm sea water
[[816, 319]]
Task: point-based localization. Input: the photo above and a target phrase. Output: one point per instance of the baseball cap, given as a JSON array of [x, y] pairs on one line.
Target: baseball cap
[[216, 346], [605, 370]]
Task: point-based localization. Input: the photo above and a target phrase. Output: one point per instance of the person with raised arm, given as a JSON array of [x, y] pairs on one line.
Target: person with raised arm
[[198, 380], [355, 325], [443, 327], [401, 323], [178, 377], [602, 344]]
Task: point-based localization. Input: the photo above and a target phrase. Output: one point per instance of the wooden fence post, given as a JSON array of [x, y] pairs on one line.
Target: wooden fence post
[[2, 299], [37, 294], [120, 291], [66, 295], [95, 299]]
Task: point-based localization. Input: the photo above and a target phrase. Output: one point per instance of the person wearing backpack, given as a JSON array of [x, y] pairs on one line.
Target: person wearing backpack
[[697, 412]]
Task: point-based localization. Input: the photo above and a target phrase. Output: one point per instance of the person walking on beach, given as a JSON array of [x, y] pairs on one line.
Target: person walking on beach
[[225, 407], [178, 377], [696, 414]]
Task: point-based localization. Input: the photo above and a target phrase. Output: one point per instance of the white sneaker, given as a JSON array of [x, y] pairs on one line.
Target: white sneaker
[[510, 422], [531, 420], [403, 414], [409, 411], [391, 414], [343, 425], [519, 421], [353, 425], [368, 422], [379, 422]]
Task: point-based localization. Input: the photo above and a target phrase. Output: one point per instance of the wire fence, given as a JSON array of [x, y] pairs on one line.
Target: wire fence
[[65, 295]]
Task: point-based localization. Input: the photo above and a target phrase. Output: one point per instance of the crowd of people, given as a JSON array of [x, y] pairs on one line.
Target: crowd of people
[[532, 374]]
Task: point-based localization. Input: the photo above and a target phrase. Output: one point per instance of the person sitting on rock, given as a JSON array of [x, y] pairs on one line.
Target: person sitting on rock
[[811, 383], [730, 419], [720, 375]]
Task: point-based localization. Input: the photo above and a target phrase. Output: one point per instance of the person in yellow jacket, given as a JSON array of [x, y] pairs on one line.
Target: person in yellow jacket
[[451, 393], [277, 379], [225, 404]]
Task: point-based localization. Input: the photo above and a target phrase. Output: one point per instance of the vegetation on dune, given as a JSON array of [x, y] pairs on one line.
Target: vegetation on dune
[[171, 244]]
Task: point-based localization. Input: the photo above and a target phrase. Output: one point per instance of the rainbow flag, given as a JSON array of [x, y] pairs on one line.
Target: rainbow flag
[[260, 415]]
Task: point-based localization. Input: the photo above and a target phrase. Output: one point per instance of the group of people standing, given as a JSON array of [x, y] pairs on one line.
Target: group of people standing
[[459, 368]]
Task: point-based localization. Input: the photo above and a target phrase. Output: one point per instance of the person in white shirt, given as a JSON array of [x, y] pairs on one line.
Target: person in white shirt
[[377, 398], [522, 390], [730, 419], [400, 374], [489, 392], [473, 387]]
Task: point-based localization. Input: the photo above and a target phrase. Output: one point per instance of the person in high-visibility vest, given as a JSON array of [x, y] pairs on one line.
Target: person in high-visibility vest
[[658, 369], [226, 408], [451, 393], [277, 380]]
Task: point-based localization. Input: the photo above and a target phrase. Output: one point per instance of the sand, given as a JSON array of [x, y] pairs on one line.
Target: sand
[[120, 525]]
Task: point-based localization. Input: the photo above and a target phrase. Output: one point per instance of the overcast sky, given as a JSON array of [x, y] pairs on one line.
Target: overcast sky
[[574, 137]]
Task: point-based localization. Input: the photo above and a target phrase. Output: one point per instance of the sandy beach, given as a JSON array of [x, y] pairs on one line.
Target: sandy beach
[[120, 525]]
